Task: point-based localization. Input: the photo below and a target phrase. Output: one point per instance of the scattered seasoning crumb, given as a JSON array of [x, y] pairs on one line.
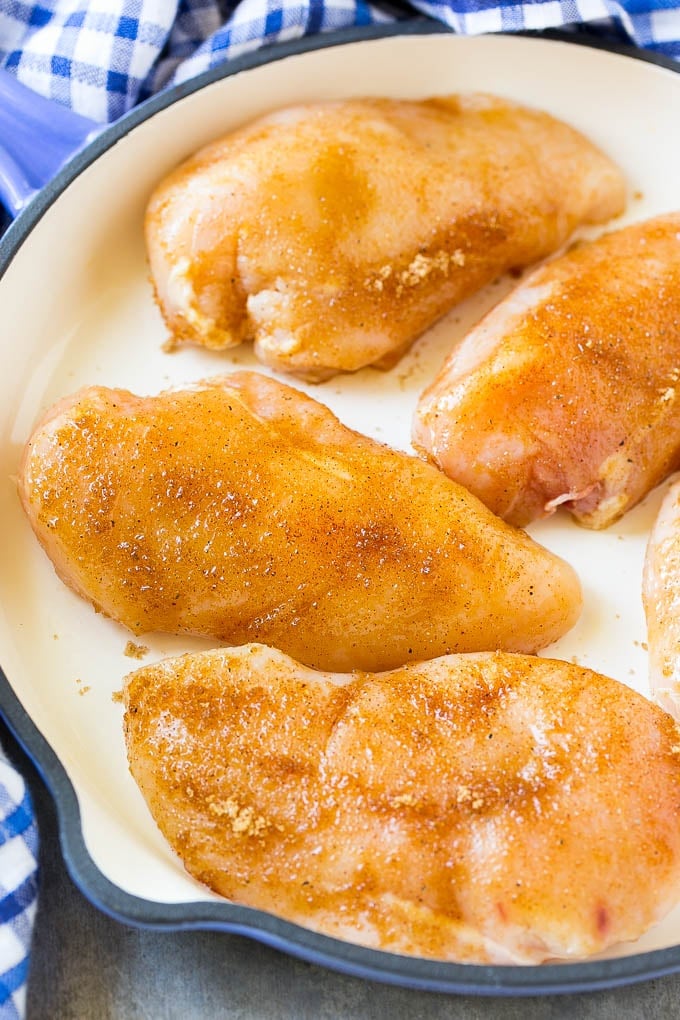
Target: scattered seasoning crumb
[[407, 799], [117, 696], [574, 659], [244, 821], [643, 644], [55, 637], [638, 195], [134, 651], [83, 690], [407, 374]]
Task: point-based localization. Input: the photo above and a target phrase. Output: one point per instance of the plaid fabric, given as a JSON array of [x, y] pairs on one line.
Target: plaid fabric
[[100, 57], [18, 889]]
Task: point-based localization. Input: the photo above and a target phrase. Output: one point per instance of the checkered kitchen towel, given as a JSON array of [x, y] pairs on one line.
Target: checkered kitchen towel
[[18, 889], [100, 57]]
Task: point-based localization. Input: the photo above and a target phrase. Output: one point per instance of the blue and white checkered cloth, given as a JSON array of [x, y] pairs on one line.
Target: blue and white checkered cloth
[[101, 57], [18, 889]]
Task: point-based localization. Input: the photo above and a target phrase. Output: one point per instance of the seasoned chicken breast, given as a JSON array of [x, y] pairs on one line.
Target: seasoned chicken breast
[[333, 234], [661, 599], [487, 808], [241, 509], [567, 392]]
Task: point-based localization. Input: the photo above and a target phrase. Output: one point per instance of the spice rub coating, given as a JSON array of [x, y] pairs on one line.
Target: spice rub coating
[[567, 393], [333, 234], [243, 510], [480, 808]]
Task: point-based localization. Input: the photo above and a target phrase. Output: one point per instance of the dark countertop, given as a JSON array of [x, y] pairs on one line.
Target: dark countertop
[[86, 966]]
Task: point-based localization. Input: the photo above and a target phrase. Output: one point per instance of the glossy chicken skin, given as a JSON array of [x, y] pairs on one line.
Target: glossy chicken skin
[[661, 599], [241, 509], [334, 234], [482, 808], [567, 392]]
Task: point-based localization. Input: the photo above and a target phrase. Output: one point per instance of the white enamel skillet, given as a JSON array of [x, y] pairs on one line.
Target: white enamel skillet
[[76, 309]]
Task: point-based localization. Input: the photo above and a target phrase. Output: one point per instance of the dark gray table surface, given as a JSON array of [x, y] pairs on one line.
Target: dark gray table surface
[[86, 966]]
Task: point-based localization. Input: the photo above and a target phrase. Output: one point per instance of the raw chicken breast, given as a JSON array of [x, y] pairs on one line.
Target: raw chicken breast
[[241, 509], [334, 234], [567, 391], [487, 808], [661, 599]]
